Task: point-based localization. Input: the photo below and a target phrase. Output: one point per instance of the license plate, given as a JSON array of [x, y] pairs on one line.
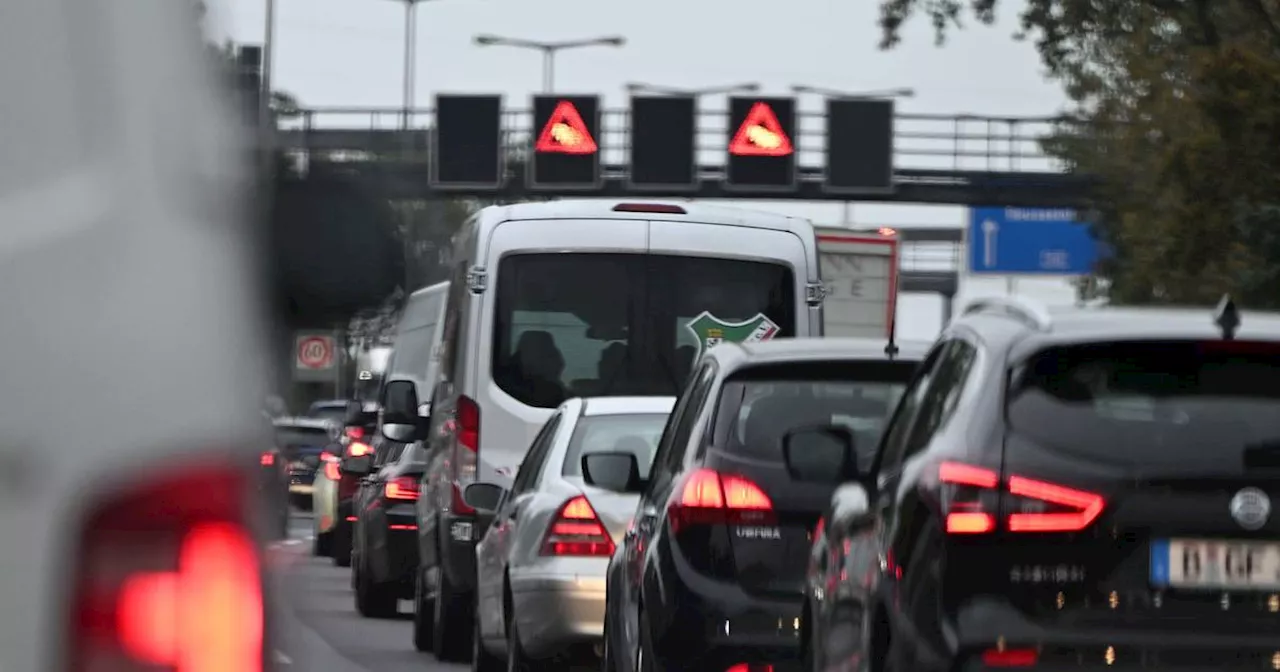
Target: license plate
[[1215, 564]]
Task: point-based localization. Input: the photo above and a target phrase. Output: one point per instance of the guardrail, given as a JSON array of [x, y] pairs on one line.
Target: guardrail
[[932, 142]]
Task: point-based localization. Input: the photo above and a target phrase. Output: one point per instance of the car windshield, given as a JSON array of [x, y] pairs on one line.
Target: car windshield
[[1171, 404], [626, 324], [636, 434]]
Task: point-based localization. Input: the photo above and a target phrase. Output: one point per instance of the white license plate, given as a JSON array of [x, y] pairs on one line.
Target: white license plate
[[1215, 564]]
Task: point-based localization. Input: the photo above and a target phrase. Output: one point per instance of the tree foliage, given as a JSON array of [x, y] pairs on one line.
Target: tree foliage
[[1177, 104]]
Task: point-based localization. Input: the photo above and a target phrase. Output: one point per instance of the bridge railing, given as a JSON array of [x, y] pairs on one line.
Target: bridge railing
[[944, 142]]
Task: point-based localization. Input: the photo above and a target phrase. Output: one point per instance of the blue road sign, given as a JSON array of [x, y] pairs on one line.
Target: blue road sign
[[1030, 241]]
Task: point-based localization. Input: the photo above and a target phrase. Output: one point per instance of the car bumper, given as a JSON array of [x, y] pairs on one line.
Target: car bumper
[[557, 611]]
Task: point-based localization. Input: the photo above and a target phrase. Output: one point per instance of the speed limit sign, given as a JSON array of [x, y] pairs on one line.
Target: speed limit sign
[[315, 352]]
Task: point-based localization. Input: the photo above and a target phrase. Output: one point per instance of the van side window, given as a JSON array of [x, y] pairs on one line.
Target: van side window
[[450, 353]]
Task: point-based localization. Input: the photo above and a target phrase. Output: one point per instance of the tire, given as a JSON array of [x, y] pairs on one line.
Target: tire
[[482, 660], [374, 600], [322, 544], [423, 614], [451, 639], [517, 661], [340, 546]]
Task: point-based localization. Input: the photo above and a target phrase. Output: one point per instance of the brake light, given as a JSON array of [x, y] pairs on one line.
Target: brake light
[[402, 487], [467, 431], [711, 498], [577, 530], [168, 576], [750, 667], [331, 470], [268, 458], [358, 449], [354, 432], [658, 208], [974, 496], [1010, 657], [469, 424]]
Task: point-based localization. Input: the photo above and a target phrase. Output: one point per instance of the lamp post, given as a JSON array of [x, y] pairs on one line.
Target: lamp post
[[410, 67], [642, 87], [548, 50], [846, 215]]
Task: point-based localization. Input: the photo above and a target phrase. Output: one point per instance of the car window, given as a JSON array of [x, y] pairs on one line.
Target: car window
[[529, 474], [943, 395], [1179, 405], [682, 432], [894, 444], [637, 434], [302, 437]]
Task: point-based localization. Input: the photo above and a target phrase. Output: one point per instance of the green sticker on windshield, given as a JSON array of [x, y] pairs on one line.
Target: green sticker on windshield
[[712, 331]]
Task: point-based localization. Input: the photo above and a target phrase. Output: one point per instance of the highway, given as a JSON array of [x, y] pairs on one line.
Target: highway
[[319, 628]]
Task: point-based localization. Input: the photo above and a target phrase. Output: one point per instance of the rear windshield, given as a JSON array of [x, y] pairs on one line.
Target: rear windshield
[[334, 413], [756, 413], [589, 325], [636, 434], [293, 437], [1151, 403]]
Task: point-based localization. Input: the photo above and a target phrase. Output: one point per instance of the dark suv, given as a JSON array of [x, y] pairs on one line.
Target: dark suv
[[710, 574], [1083, 490]]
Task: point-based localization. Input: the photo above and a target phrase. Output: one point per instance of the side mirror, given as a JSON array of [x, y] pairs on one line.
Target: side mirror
[[483, 497], [359, 465], [619, 472], [400, 411], [820, 454], [849, 504]]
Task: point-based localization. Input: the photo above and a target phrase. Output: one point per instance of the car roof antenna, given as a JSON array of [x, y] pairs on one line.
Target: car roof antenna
[[891, 348], [1227, 317]]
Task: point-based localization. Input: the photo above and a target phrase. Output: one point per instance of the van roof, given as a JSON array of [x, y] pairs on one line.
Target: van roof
[[695, 212], [430, 289]]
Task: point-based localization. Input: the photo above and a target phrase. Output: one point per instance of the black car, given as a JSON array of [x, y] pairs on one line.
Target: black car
[[1083, 490], [710, 575], [301, 442], [384, 549], [273, 485]]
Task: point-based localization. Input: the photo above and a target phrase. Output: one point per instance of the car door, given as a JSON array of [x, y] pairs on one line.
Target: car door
[[668, 463], [370, 518], [491, 552]]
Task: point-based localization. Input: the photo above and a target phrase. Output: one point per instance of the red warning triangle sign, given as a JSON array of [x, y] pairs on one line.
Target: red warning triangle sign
[[565, 133], [761, 134]]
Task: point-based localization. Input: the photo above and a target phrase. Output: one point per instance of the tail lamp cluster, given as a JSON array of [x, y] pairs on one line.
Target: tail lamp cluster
[[977, 501], [576, 530]]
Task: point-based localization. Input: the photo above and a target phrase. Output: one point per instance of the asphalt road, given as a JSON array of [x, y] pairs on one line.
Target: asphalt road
[[318, 625]]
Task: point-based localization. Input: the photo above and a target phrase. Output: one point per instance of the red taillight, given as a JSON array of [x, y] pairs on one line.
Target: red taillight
[[268, 459], [354, 432], [168, 577], [655, 208], [709, 498], [358, 449], [577, 530], [750, 667], [1010, 657], [468, 424], [1033, 506], [467, 431], [402, 487]]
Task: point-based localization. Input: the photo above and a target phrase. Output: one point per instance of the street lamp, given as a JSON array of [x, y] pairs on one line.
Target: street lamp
[[410, 68], [549, 50], [904, 92], [642, 87]]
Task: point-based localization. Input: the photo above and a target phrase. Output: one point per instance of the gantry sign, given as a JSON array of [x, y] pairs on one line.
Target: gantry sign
[[760, 146]]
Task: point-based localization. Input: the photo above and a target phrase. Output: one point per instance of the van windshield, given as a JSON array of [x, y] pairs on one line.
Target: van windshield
[[594, 324]]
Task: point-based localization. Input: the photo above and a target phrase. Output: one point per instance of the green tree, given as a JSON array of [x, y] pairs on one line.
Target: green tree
[[1176, 105]]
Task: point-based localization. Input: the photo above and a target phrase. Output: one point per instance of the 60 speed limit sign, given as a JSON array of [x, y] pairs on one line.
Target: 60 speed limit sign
[[315, 352]]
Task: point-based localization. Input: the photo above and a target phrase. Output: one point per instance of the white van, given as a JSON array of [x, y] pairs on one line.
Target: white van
[[418, 339], [574, 298]]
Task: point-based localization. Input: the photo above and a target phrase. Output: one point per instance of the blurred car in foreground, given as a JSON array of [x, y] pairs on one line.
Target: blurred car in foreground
[[301, 441], [540, 584], [1116, 513], [723, 531]]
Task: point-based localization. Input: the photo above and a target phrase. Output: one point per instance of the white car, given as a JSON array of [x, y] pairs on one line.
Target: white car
[[130, 424], [540, 583]]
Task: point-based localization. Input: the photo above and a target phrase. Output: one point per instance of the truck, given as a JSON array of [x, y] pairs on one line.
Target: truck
[[859, 270]]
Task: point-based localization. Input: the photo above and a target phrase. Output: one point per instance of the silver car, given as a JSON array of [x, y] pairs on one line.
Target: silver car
[[540, 585]]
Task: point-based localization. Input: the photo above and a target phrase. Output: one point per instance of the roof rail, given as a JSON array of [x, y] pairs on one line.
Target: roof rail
[[1032, 314]]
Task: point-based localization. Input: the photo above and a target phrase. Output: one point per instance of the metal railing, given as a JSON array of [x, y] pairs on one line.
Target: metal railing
[[941, 142]]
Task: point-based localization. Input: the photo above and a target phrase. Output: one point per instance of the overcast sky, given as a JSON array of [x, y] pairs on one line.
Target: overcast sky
[[349, 53]]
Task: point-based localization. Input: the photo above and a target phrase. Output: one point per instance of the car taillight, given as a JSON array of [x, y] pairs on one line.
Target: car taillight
[[354, 432], [168, 576], [268, 458], [359, 449], [577, 530], [467, 432], [710, 498], [974, 496], [402, 487]]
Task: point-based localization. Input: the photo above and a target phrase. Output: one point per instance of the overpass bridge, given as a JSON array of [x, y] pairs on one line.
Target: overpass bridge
[[956, 159]]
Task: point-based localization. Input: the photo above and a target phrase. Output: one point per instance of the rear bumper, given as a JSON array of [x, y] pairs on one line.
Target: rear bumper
[[397, 560], [555, 612]]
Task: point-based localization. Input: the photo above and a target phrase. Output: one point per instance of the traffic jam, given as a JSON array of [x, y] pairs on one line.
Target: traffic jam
[[645, 436]]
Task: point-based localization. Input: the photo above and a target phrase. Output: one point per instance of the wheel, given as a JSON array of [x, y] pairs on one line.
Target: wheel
[[517, 661], [423, 608], [340, 546], [373, 600], [451, 639], [322, 544], [481, 659]]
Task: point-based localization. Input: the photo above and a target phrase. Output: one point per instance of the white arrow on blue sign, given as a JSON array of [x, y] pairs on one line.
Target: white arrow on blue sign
[[1030, 241]]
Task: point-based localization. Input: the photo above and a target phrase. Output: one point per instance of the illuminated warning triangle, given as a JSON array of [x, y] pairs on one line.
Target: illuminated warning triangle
[[565, 133], [761, 134]]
